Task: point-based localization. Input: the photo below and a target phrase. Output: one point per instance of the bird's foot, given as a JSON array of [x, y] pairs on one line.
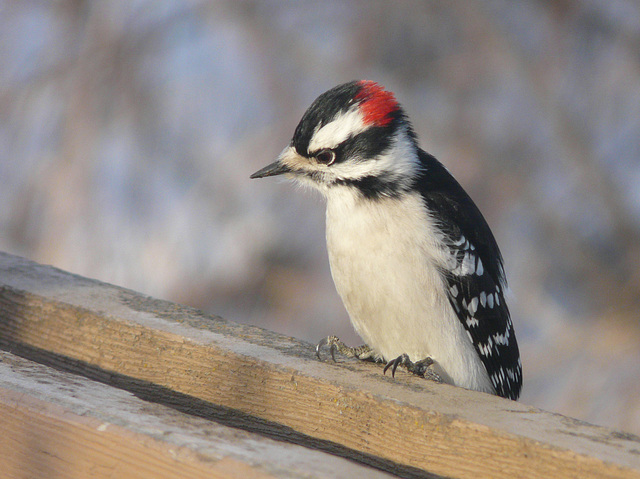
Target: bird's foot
[[364, 352], [420, 368]]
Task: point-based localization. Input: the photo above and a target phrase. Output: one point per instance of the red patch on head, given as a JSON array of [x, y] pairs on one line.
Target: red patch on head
[[376, 103]]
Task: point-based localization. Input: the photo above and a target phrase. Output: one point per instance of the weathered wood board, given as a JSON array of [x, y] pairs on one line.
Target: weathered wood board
[[260, 381]]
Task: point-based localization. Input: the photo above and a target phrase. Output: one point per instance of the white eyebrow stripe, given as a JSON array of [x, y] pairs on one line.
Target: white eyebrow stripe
[[339, 129]]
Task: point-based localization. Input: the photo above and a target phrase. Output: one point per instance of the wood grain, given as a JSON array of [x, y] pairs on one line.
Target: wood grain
[[261, 381], [56, 424]]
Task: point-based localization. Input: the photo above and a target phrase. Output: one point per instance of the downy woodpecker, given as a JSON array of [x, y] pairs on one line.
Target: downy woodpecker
[[412, 257]]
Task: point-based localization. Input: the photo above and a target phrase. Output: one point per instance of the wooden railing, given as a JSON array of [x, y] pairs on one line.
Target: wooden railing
[[100, 381]]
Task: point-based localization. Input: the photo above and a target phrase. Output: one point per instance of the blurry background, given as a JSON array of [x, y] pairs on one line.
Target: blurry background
[[128, 131]]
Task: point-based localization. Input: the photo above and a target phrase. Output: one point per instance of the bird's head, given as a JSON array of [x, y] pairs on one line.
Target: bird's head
[[356, 136]]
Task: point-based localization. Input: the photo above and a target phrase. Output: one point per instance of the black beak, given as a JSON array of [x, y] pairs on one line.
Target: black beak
[[275, 168]]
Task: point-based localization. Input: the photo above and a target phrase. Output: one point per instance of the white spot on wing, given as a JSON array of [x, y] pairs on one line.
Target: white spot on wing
[[473, 306], [479, 268], [464, 268], [472, 322], [502, 339], [470, 337]]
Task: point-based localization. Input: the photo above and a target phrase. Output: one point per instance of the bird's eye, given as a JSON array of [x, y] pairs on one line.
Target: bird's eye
[[326, 157]]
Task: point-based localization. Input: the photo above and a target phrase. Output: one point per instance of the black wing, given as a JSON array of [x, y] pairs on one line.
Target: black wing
[[475, 276]]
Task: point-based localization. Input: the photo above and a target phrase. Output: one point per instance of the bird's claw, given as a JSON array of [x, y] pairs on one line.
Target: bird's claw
[[364, 352], [331, 342], [394, 363], [419, 368]]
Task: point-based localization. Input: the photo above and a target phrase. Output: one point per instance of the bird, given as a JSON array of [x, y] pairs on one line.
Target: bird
[[412, 257]]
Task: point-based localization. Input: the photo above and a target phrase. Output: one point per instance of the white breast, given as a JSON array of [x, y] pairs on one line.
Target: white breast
[[384, 256]]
